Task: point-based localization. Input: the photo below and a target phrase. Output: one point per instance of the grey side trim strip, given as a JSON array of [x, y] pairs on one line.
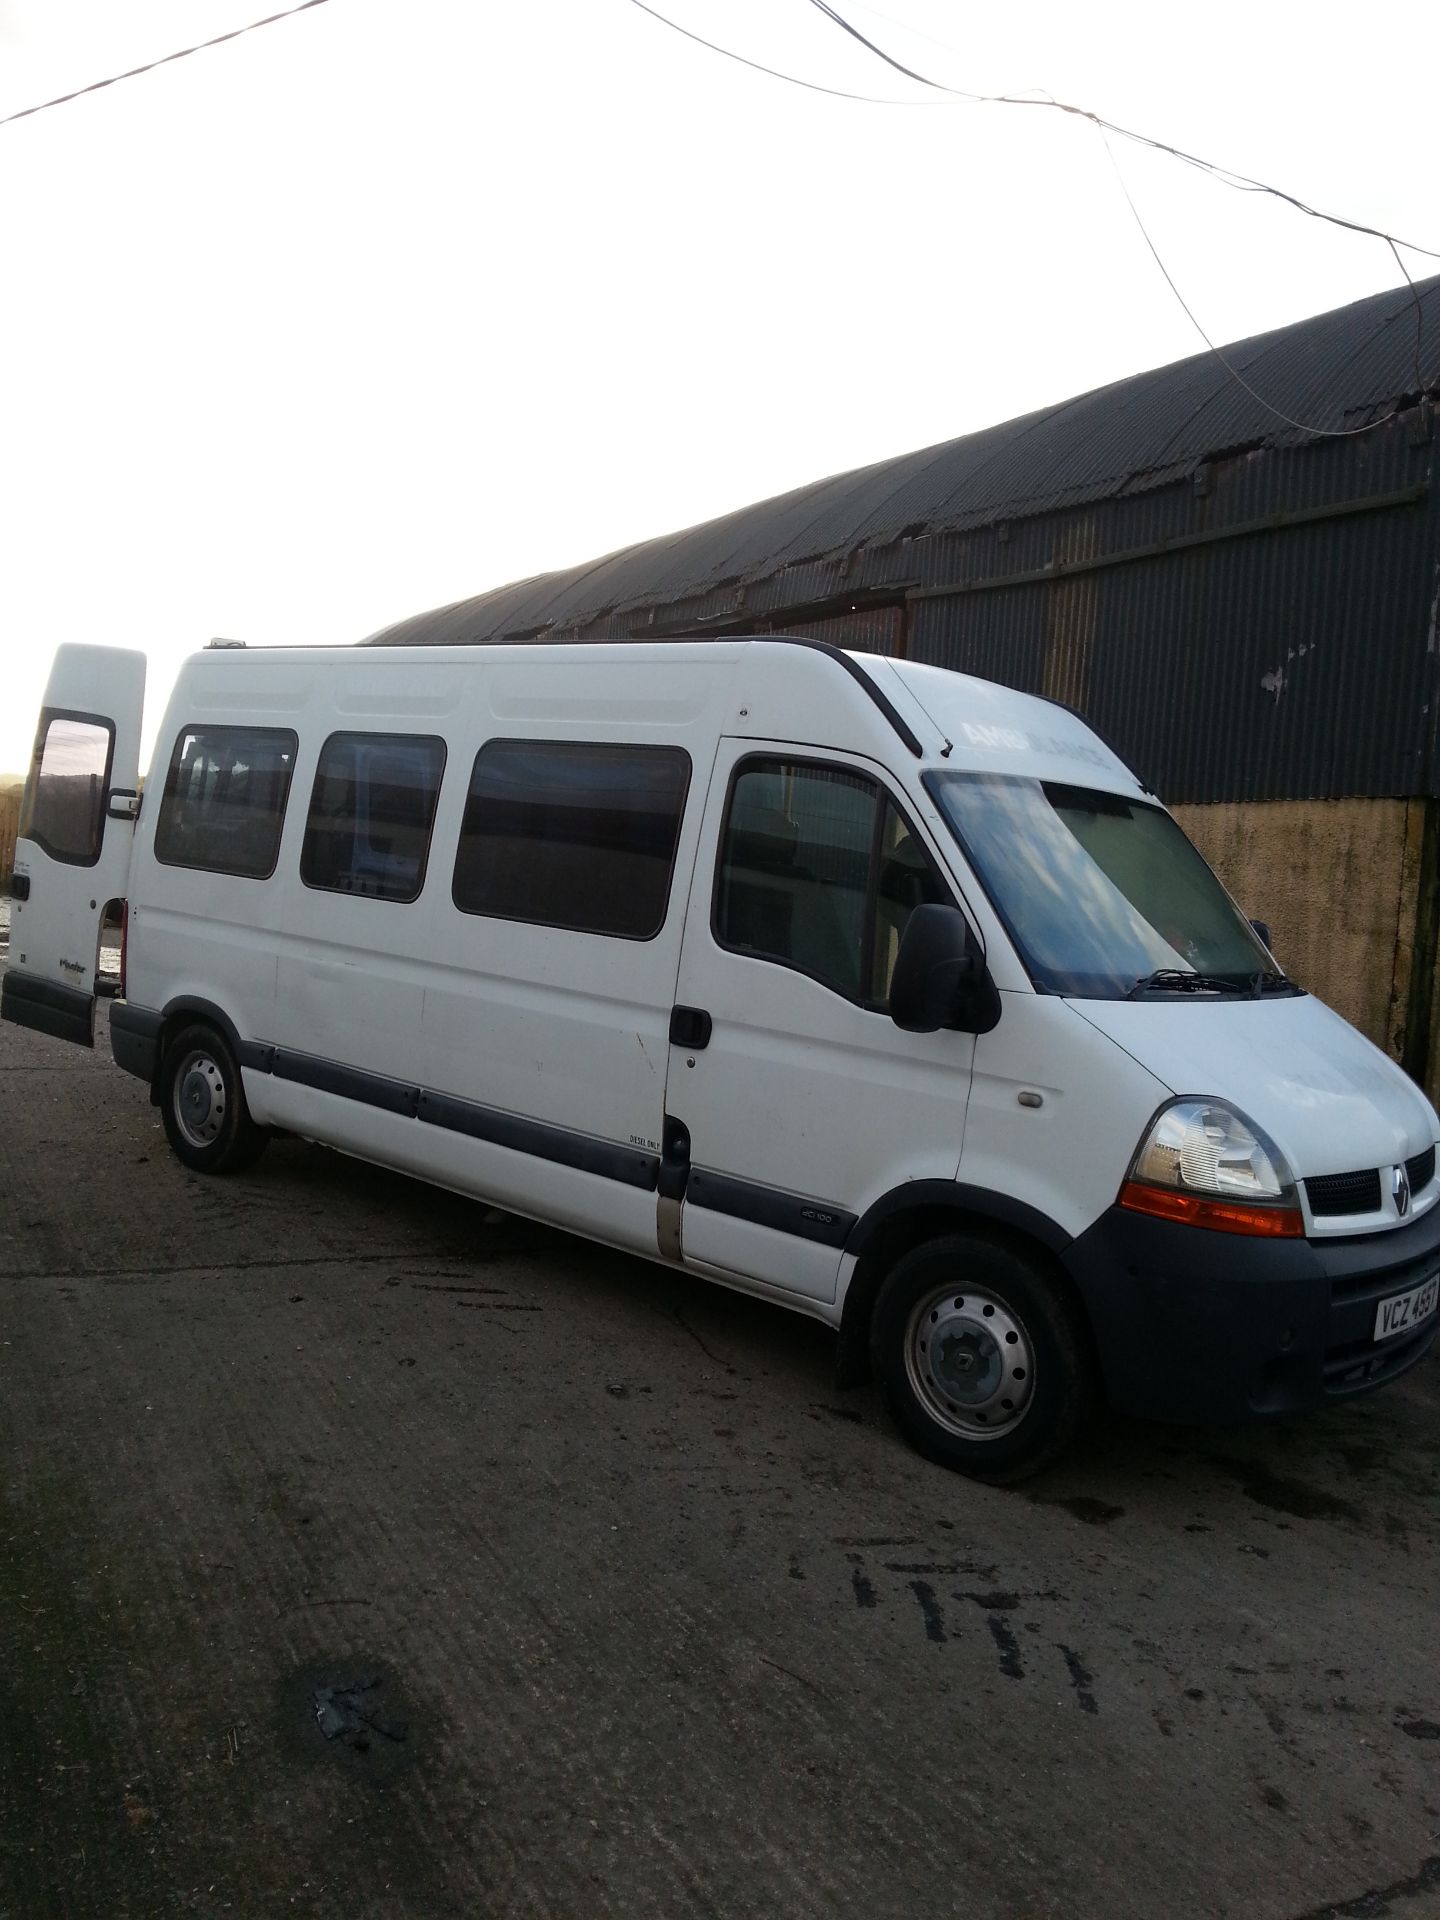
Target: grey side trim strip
[[544, 1141], [331, 1076], [46, 1007], [771, 1207], [538, 1138]]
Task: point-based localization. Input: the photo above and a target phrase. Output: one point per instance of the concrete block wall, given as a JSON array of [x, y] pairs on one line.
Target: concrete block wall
[[1343, 886]]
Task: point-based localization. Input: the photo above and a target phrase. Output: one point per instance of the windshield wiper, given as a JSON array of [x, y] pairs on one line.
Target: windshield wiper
[[1270, 982], [1178, 980]]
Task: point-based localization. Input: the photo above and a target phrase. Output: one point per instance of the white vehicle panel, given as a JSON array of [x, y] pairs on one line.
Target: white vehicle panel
[[1331, 1101], [1056, 1112]]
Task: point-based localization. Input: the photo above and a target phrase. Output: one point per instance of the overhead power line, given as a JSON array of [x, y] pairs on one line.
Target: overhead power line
[[1320, 433], [756, 66], [1227, 176], [181, 53]]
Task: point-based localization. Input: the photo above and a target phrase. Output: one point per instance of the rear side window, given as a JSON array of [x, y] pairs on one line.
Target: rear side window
[[570, 833], [224, 801], [820, 872], [64, 806], [371, 811]]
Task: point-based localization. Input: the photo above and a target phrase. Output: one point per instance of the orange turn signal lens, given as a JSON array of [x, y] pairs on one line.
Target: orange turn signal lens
[[1222, 1216]]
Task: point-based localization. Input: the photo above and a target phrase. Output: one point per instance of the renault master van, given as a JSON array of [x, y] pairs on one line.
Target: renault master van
[[880, 992]]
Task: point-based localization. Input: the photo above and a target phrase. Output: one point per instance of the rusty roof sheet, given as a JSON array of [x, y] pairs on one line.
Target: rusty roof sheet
[[1337, 371]]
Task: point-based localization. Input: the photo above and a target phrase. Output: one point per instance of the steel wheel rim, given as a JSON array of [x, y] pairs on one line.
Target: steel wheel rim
[[970, 1362], [200, 1099]]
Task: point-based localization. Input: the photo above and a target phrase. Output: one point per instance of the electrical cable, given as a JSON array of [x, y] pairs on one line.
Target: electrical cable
[[811, 86], [1225, 175], [1301, 426], [1105, 128], [182, 53]]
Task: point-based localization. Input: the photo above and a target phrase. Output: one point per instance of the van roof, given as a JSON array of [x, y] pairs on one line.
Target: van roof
[[937, 716]]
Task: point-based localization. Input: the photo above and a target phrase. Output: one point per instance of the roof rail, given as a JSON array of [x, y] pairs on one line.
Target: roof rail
[[858, 674]]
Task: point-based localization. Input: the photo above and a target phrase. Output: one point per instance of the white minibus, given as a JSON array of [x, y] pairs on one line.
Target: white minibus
[[878, 991]]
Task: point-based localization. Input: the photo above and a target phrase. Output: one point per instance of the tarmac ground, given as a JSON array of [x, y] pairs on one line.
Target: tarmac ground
[[364, 1553]]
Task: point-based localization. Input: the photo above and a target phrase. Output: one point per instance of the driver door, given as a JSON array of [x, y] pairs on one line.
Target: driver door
[[797, 1099]]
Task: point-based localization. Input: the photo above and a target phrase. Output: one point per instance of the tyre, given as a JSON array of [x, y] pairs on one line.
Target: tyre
[[984, 1358], [202, 1103]]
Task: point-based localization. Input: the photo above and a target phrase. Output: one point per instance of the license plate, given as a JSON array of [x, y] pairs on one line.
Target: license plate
[[1402, 1311]]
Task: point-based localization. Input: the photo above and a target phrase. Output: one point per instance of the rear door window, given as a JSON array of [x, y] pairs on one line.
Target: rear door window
[[224, 802], [371, 812], [64, 805]]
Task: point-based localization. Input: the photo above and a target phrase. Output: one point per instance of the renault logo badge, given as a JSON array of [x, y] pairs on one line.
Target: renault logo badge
[[1400, 1189]]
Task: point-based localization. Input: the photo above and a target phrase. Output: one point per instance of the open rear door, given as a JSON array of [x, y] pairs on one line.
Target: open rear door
[[72, 856]]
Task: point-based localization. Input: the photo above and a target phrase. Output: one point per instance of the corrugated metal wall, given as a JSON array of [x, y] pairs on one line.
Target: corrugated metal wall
[[1286, 664], [1262, 626], [1263, 629]]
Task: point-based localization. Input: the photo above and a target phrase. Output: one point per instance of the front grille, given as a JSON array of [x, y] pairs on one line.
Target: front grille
[[1421, 1170], [1331, 1193]]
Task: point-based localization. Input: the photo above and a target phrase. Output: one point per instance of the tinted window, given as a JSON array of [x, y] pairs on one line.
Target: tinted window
[[371, 811], [819, 871], [64, 806], [572, 834], [224, 802]]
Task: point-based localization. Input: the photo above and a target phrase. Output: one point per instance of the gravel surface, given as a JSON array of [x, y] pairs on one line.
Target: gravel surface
[[363, 1553]]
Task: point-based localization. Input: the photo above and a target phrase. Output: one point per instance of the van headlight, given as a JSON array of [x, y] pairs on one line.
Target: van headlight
[[1206, 1165]]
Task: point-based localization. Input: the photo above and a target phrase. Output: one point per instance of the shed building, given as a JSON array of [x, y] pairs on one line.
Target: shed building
[[1232, 568]]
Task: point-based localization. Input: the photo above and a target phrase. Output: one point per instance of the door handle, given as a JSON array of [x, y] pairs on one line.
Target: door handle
[[690, 1027], [19, 886]]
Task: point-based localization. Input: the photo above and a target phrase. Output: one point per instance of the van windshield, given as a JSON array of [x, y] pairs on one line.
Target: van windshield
[[1102, 894]]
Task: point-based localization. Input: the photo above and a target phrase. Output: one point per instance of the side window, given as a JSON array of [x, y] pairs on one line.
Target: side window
[[819, 871], [224, 800], [570, 833], [64, 806], [371, 811]]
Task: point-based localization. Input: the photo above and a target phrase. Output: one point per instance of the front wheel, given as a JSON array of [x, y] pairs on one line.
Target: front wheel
[[984, 1358], [202, 1103]]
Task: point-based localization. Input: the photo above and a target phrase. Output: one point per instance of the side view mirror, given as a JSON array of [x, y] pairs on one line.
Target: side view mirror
[[1262, 927], [940, 977]]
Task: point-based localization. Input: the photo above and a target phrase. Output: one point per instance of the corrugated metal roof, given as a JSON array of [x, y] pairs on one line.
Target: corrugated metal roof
[[1338, 370]]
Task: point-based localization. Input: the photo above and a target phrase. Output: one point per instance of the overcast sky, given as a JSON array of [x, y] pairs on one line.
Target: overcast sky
[[385, 304]]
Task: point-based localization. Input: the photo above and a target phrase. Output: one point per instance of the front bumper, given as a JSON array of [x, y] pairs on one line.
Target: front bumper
[[1193, 1325]]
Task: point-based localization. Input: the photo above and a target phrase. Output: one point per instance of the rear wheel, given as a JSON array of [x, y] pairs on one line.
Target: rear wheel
[[984, 1357], [202, 1103]]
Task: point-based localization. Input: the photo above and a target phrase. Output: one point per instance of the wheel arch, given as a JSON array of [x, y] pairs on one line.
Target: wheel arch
[[187, 1007], [924, 1210]]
